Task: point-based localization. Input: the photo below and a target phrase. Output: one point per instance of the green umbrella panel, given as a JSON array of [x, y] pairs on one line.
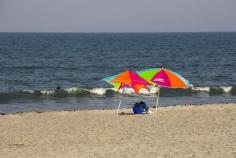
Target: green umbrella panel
[[148, 74]]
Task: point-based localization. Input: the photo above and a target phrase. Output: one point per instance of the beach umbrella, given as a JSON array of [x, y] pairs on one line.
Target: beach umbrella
[[127, 79], [130, 79], [164, 78], [169, 79], [148, 74], [108, 80]]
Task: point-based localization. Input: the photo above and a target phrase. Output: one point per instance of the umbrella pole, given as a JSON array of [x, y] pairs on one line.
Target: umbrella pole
[[158, 96], [118, 109]]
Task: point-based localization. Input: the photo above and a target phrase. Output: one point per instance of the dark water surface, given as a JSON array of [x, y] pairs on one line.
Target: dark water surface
[[34, 64]]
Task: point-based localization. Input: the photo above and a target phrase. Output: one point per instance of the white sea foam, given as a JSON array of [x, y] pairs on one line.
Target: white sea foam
[[206, 89], [29, 91], [99, 91], [144, 91], [128, 91], [227, 89], [45, 92], [72, 90], [154, 90]]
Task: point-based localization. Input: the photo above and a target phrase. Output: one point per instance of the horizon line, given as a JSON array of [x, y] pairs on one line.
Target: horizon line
[[120, 32]]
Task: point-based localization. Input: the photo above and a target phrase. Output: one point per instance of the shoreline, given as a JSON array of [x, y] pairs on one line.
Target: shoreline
[[112, 109], [207, 130]]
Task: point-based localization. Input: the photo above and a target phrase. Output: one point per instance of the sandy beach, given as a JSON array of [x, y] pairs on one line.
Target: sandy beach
[[180, 131]]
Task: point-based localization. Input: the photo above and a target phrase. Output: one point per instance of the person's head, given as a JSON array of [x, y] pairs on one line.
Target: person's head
[[58, 87]]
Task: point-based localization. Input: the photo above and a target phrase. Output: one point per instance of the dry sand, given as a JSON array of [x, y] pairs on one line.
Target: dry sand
[[188, 131]]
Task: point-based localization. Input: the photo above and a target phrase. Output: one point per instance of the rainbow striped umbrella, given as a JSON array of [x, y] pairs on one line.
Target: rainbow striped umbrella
[[108, 80], [130, 79], [127, 79], [148, 74], [164, 78], [170, 79]]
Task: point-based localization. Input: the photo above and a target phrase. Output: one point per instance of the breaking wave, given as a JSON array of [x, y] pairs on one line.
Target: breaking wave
[[109, 92]]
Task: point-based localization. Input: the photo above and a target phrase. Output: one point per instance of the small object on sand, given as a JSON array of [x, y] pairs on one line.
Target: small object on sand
[[140, 108]]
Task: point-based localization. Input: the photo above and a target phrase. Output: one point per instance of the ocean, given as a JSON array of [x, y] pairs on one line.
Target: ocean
[[33, 65]]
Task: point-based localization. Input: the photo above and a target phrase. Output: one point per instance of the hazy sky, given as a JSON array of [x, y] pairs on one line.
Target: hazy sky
[[117, 15]]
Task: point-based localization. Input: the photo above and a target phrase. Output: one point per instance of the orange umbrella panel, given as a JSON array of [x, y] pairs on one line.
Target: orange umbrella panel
[[131, 79], [169, 79]]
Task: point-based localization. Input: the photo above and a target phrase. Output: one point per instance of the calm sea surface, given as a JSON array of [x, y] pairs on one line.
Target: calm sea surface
[[32, 65]]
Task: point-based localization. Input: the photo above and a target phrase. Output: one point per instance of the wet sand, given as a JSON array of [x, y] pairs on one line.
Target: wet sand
[[179, 132]]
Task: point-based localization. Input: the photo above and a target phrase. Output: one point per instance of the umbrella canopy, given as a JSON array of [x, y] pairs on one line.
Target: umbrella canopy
[[108, 80], [127, 79], [170, 79], [130, 79], [148, 74], [164, 78]]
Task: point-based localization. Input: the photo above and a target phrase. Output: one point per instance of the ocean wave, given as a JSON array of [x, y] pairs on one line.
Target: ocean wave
[[109, 92]]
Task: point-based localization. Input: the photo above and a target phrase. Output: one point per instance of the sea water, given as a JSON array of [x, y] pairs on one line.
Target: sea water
[[32, 65]]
